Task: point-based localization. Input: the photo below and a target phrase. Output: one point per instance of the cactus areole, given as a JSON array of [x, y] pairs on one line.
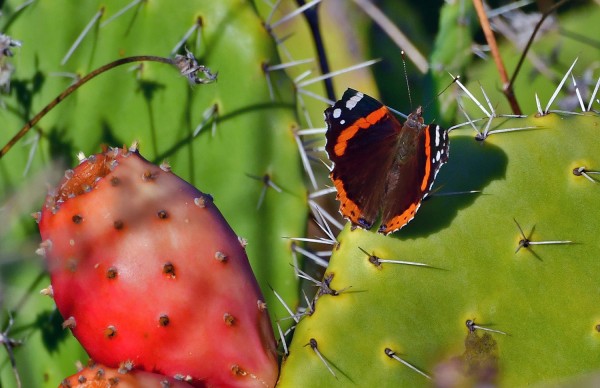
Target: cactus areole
[[146, 272]]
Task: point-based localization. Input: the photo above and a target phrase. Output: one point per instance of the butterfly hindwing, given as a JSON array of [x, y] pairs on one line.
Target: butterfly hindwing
[[415, 177]]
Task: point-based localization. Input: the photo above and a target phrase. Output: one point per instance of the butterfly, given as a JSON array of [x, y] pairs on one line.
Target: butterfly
[[381, 167]]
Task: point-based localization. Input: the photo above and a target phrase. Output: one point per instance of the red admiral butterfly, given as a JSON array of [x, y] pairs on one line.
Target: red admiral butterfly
[[381, 166]]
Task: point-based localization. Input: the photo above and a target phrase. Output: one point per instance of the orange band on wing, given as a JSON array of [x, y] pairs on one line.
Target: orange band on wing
[[348, 208], [362, 123], [427, 160], [401, 220]]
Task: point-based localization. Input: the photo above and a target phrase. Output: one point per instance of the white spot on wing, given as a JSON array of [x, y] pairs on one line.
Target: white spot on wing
[[353, 101], [337, 112], [342, 122]]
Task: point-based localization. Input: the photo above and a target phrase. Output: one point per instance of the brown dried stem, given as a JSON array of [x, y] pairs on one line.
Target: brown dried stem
[[491, 40], [187, 65]]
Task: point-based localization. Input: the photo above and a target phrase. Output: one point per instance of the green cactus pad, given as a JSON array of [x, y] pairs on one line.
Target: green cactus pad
[[253, 131], [543, 297]]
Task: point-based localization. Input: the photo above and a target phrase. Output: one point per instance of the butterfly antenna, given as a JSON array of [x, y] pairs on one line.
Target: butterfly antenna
[[454, 80], [406, 79]]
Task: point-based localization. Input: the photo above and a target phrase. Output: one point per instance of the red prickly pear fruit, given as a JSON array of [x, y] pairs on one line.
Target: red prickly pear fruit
[[99, 376], [145, 269]]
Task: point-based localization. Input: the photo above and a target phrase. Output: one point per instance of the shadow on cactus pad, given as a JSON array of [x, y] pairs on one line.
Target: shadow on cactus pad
[[471, 168]]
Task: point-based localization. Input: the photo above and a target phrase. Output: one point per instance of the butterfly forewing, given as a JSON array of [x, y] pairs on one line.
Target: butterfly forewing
[[360, 142]]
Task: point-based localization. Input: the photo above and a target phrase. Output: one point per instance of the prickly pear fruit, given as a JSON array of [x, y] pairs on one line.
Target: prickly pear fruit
[[99, 376], [145, 270]]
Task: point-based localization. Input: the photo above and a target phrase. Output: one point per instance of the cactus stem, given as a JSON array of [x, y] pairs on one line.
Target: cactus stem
[[313, 345], [472, 326], [187, 65], [391, 354], [85, 31]]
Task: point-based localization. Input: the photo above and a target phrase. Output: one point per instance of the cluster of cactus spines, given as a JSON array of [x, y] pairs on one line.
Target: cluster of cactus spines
[[145, 270]]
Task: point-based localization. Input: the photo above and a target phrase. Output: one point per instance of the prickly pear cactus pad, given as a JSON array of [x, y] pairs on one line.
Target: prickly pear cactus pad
[[162, 283], [517, 261], [230, 138]]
